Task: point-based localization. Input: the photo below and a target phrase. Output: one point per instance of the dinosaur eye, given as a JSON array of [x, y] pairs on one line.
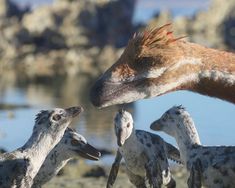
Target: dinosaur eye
[[128, 125], [74, 142], [56, 117]]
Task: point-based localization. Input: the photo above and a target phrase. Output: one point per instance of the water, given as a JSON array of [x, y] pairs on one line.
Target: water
[[214, 118], [95, 125]]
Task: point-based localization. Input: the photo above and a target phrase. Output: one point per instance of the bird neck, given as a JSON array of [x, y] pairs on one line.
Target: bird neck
[[53, 163], [186, 137], [56, 159], [214, 75], [132, 138], [38, 147]]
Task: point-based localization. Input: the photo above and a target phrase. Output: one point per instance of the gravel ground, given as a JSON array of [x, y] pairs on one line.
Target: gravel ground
[[73, 176]]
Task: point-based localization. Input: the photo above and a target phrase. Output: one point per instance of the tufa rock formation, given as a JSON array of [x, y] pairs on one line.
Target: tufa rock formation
[[213, 27], [65, 38]]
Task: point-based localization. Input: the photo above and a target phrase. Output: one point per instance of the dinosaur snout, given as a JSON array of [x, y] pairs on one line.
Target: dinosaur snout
[[156, 125]]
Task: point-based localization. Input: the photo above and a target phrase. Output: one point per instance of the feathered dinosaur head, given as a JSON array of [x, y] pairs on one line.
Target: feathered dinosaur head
[[145, 69]]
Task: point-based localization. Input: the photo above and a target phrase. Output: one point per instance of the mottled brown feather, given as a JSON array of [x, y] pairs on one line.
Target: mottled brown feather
[[158, 37]]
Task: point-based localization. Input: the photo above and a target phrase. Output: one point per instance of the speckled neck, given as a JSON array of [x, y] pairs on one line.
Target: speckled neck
[[186, 136], [37, 148], [132, 138]]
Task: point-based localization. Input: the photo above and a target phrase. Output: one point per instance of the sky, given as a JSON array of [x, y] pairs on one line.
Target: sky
[[145, 9]]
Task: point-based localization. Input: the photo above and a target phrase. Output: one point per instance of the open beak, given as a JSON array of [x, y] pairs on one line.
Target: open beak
[[156, 125], [89, 152], [120, 138], [74, 111]]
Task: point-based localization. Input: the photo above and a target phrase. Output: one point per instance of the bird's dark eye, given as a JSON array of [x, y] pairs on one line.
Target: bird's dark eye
[[75, 142], [128, 125], [56, 117]]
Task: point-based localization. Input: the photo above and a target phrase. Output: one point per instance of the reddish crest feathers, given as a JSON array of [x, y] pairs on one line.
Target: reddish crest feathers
[[156, 37]]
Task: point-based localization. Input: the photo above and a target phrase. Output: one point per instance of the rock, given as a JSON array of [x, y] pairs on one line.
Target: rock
[[228, 28], [4, 8], [160, 19], [9, 9], [96, 171], [120, 27], [65, 38], [213, 27], [38, 21], [2, 150], [208, 24], [84, 22]]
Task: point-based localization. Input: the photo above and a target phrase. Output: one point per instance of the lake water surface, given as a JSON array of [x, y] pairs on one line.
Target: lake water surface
[[215, 119]]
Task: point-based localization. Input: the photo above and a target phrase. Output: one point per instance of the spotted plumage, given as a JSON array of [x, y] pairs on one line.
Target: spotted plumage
[[145, 155], [18, 168], [71, 145], [211, 166]]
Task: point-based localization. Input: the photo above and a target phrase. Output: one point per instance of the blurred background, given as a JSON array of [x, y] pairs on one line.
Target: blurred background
[[51, 52]]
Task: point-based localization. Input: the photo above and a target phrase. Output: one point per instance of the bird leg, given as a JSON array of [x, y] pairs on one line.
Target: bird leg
[[153, 173], [195, 180], [114, 170], [136, 180], [171, 184]]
